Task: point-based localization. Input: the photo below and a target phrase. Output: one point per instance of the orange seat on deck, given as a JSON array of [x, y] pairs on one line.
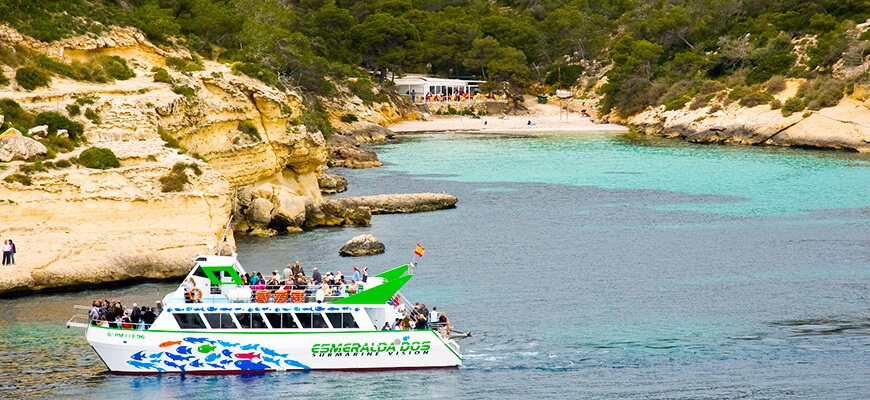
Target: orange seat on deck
[[297, 296], [281, 296], [263, 296]]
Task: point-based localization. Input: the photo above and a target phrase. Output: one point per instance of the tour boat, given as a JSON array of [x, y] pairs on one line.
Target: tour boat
[[223, 326]]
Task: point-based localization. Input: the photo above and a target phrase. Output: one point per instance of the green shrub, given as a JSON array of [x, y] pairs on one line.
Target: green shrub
[[56, 144], [171, 142], [20, 178], [755, 99], [183, 65], [93, 116], [49, 165], [57, 121], [89, 99], [775, 84], [116, 67], [677, 104], [62, 163], [185, 91], [73, 110], [793, 105], [349, 118], [31, 78], [3, 79], [248, 128], [98, 158], [822, 92], [257, 71], [775, 104], [315, 119], [36, 166], [15, 115], [162, 75], [175, 180], [563, 75]]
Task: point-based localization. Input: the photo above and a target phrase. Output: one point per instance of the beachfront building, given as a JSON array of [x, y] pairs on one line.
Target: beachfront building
[[422, 88]]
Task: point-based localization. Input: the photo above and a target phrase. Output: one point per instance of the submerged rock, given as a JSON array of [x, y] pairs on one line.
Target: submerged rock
[[362, 245]]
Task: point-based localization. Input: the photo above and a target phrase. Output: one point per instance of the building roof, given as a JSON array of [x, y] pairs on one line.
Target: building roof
[[422, 79]]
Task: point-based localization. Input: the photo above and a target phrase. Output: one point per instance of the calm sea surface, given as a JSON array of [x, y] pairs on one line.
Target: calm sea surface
[[586, 266]]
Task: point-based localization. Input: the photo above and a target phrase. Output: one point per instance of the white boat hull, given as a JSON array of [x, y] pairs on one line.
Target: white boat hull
[[210, 352]]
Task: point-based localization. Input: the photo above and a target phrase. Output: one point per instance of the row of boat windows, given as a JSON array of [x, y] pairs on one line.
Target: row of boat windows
[[255, 320]]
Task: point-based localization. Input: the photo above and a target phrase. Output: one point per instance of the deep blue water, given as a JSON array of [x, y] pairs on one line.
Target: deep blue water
[[586, 266]]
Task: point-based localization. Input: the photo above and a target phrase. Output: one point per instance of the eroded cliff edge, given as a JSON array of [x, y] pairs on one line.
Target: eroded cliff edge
[[76, 227]]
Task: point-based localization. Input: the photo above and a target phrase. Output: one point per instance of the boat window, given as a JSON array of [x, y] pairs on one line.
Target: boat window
[[282, 320], [311, 320], [189, 321], [198, 272], [304, 319], [251, 320], [220, 321], [342, 320], [317, 321]]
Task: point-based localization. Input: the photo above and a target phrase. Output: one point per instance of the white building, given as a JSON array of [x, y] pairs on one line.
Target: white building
[[418, 86]]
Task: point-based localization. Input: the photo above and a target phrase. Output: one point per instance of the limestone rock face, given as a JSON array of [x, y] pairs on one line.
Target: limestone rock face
[[353, 157], [15, 146], [331, 184], [79, 227], [840, 127], [362, 245], [41, 130]]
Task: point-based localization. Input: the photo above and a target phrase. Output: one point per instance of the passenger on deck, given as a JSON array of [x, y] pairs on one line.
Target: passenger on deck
[[297, 269], [329, 278], [386, 326], [365, 274], [103, 321], [136, 316], [316, 275], [288, 274], [353, 288], [338, 278], [320, 294], [148, 317], [275, 279], [356, 274], [94, 314]]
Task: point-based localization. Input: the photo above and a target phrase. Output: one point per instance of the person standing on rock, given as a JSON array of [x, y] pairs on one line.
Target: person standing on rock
[[12, 252], [7, 250]]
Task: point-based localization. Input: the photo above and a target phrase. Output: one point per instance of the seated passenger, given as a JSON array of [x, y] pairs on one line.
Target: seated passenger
[[353, 288], [320, 294]]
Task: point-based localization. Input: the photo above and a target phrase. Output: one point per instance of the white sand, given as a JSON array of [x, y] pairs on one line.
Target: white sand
[[545, 117]]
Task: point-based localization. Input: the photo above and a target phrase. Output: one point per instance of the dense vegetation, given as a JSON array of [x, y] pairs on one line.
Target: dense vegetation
[[661, 52]]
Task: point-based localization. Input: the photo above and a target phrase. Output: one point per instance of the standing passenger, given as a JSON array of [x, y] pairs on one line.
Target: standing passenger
[[7, 250], [365, 274], [12, 254], [356, 274]]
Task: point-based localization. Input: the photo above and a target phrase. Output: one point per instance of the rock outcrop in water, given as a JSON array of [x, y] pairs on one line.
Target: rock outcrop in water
[[362, 245]]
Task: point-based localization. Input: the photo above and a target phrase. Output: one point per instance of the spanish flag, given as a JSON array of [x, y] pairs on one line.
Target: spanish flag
[[419, 250]]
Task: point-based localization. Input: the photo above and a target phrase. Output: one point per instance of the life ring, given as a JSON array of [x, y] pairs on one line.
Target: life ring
[[195, 295]]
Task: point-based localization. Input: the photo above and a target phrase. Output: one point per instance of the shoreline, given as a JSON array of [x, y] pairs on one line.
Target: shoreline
[[513, 124]]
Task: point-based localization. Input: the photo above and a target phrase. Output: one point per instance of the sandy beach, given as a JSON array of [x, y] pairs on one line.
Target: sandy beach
[[543, 118]]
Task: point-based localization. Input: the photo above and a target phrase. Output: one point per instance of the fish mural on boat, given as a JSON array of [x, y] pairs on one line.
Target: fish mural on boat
[[211, 354]]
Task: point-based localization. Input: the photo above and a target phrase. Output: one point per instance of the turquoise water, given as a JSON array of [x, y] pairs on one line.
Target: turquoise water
[[586, 266], [758, 181]]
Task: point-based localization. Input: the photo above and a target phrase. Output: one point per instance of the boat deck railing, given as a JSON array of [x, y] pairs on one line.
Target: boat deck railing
[[265, 294]]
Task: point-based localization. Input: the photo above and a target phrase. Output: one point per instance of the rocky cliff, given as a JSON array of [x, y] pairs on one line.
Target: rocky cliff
[[845, 126], [77, 226]]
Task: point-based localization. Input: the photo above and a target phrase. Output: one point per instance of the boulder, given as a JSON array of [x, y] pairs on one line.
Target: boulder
[[331, 184], [41, 131], [362, 245], [288, 210], [260, 211], [15, 146], [353, 157], [370, 133], [62, 133], [361, 216]]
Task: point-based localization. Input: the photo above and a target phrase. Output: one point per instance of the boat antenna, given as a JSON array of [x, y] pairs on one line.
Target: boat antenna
[[224, 237]]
